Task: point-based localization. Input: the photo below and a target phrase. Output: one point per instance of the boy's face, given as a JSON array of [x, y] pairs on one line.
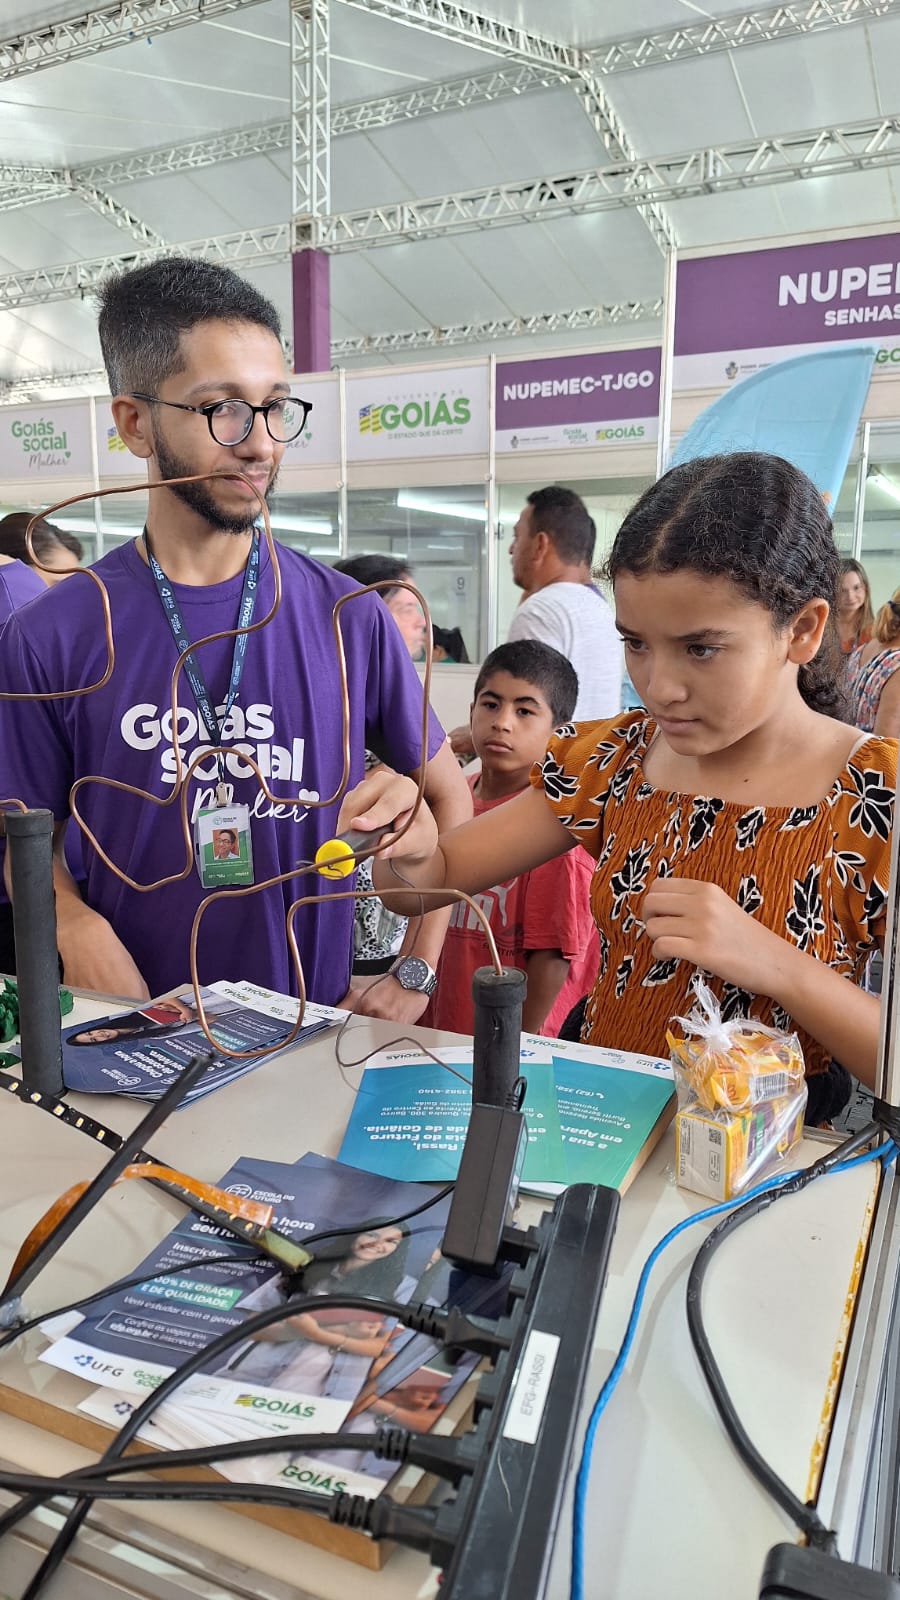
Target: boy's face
[[511, 724]]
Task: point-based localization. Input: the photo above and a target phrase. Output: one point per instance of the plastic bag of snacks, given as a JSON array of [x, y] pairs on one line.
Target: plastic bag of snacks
[[741, 1097]]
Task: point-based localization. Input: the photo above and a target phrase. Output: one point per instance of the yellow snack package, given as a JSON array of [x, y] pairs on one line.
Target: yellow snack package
[[741, 1092]]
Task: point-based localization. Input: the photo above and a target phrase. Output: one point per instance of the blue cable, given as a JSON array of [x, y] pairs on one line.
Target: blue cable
[[886, 1153]]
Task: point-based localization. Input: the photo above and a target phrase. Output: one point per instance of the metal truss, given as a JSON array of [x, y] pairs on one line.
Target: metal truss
[[542, 322], [92, 31], [731, 32], [89, 32], [105, 206], [497, 328], [617, 144], [310, 110], [264, 138], [823, 152], [78, 279], [466, 26]]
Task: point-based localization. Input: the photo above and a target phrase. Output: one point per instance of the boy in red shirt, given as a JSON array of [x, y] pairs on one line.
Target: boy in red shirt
[[541, 920]]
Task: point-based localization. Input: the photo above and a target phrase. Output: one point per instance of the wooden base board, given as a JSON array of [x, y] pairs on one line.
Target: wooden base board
[[303, 1525]]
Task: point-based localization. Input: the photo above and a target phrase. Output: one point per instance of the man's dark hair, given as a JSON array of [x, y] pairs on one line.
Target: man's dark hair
[[563, 515], [143, 314], [540, 665], [44, 538], [374, 569]]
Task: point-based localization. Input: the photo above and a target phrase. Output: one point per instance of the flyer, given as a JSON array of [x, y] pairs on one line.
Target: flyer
[[141, 1052], [410, 1120]]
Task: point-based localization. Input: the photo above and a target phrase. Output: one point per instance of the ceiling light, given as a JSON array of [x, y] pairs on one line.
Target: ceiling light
[[285, 523], [441, 508], [885, 485]]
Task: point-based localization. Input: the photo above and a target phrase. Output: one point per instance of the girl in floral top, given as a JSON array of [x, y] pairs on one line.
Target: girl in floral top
[[739, 827]]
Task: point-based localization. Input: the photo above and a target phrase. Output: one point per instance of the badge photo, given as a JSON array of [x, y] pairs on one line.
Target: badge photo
[[223, 846]]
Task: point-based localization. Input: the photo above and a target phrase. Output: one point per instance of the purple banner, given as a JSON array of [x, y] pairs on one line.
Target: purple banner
[[794, 295], [602, 387]]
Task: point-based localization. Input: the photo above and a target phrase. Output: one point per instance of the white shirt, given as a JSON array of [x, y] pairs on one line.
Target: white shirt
[[575, 619]]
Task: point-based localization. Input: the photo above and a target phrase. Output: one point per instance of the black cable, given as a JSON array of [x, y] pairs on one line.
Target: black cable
[[235, 1335], [92, 1480], [804, 1516], [421, 1319], [384, 1222], [119, 1286], [98, 1186]]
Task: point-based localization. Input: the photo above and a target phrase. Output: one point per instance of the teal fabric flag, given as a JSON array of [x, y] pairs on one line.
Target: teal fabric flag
[[806, 409]]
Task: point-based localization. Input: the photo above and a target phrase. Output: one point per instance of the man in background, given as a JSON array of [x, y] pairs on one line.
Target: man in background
[[551, 554]]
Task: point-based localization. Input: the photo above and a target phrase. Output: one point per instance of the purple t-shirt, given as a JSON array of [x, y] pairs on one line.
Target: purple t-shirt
[[287, 715], [18, 584]]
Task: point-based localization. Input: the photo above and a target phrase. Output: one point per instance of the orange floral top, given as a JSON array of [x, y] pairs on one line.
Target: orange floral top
[[817, 875]]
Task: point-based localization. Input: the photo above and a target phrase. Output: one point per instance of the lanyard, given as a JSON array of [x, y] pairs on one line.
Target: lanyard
[[194, 676]]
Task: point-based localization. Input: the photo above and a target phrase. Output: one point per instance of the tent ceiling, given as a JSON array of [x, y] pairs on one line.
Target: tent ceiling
[[233, 71]]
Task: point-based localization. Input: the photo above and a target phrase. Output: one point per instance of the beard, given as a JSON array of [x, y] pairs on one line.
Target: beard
[[199, 496]]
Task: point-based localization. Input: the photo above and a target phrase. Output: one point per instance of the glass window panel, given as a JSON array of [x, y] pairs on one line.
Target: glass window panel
[[310, 522], [880, 550], [441, 532]]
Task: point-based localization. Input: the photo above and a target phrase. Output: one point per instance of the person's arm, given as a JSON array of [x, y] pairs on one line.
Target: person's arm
[[450, 801], [499, 844], [887, 720], [699, 923], [547, 971], [93, 956]]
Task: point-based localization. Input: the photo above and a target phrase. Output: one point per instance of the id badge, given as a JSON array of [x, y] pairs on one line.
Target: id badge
[[223, 846]]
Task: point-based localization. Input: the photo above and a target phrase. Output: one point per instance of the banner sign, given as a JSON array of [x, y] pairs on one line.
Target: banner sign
[[429, 413], [578, 402], [114, 460], [46, 441], [319, 445], [735, 314]]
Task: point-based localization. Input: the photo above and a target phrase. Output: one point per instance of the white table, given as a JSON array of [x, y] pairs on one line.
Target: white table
[[672, 1511]]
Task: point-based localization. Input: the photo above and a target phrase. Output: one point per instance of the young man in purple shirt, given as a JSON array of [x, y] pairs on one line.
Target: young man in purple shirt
[[195, 364]]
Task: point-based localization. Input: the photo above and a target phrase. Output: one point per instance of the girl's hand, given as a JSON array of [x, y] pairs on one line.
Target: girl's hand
[[386, 798], [690, 920]]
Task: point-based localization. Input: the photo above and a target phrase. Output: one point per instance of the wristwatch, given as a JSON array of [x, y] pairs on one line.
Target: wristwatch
[[412, 972]]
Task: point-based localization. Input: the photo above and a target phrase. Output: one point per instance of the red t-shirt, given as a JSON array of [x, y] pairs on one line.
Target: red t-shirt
[[547, 908]]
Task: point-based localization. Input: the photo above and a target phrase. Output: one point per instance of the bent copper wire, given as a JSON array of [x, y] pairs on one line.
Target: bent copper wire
[[310, 899], [183, 773]]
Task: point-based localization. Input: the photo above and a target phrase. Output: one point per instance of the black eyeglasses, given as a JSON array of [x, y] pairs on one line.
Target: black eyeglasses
[[230, 421]]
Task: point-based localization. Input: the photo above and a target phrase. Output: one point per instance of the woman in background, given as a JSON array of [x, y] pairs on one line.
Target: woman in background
[[854, 608], [873, 675], [56, 553]]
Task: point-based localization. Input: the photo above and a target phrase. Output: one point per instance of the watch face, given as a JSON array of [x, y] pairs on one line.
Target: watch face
[[414, 973]]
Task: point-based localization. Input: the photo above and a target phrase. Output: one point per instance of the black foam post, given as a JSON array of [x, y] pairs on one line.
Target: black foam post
[[497, 998], [29, 836]]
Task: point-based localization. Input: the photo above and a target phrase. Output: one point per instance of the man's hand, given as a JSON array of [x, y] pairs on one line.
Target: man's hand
[[384, 997], [95, 958], [689, 920]]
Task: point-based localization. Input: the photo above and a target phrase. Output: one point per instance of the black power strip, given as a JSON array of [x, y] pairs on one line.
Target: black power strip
[[795, 1572], [494, 1538]]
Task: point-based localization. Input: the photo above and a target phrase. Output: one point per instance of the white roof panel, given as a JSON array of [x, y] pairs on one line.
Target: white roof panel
[[233, 72]]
